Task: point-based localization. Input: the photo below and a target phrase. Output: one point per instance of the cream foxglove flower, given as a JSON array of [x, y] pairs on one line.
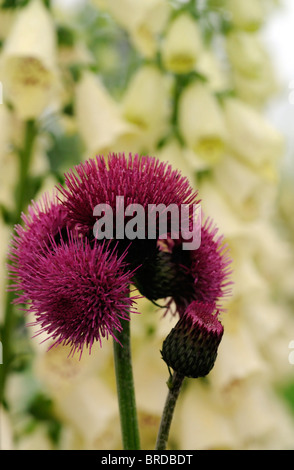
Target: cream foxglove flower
[[88, 407], [256, 90], [203, 424], [99, 119], [252, 196], [246, 53], [215, 204], [247, 15], [239, 358], [173, 153], [262, 422], [146, 104], [269, 250], [201, 122], [55, 370], [28, 67], [143, 20], [252, 137], [182, 44], [210, 66], [6, 430]]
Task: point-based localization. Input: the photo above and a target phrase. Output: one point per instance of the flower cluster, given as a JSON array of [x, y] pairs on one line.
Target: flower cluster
[[185, 81], [77, 287]]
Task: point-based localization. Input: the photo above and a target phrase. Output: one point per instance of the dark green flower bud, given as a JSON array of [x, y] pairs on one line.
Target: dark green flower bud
[[191, 347]]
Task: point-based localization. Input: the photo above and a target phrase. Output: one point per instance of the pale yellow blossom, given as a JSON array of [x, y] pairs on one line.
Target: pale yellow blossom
[[213, 69], [88, 406], [175, 155], [248, 194], [146, 104], [216, 205], [28, 66], [202, 423], [247, 15], [6, 430], [261, 418], [201, 122], [181, 45], [246, 53], [99, 119], [256, 90], [239, 357], [253, 138], [144, 24], [57, 370], [272, 324]]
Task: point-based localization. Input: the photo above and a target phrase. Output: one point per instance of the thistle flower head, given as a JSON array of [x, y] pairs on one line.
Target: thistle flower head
[[141, 180], [185, 276], [191, 347], [209, 269], [79, 293], [45, 220]]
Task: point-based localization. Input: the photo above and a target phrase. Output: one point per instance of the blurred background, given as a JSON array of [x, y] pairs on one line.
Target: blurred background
[[207, 85]]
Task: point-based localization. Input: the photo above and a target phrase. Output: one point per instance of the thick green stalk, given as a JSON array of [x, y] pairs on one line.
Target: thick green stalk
[[125, 389], [174, 385], [25, 154]]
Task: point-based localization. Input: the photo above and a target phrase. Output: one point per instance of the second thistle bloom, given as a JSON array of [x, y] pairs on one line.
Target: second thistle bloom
[[78, 293]]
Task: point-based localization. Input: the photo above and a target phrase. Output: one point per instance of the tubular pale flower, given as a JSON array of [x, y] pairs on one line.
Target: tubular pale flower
[[248, 16], [182, 45], [28, 62], [104, 123], [246, 53], [146, 22], [201, 122], [148, 111], [252, 137]]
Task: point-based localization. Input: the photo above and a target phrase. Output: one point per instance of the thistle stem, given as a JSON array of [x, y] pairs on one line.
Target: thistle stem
[[125, 389], [174, 385]]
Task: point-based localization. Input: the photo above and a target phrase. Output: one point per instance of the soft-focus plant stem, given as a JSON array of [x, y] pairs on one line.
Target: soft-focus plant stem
[[174, 385], [125, 389], [25, 154], [24, 163]]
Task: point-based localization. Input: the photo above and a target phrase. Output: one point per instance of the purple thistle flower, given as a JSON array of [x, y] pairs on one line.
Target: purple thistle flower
[[78, 293], [45, 219], [141, 180], [208, 269], [191, 347], [188, 275]]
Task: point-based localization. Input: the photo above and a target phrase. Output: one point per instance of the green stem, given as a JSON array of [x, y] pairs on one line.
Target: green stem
[[22, 199], [174, 385], [24, 164], [125, 389]]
